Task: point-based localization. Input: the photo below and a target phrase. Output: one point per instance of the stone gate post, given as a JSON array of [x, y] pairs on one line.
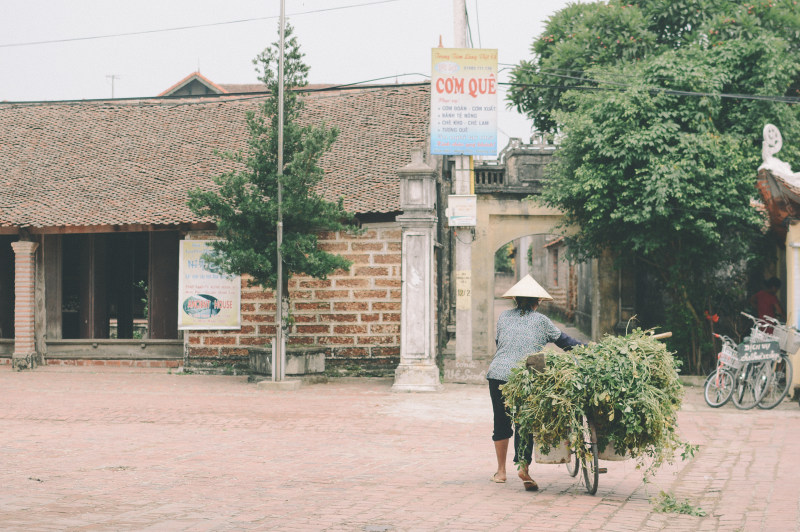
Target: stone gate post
[[417, 371], [25, 355]]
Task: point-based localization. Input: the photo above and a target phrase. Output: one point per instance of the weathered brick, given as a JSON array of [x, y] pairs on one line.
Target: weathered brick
[[376, 328], [348, 318], [385, 351], [390, 317], [390, 234], [248, 307], [389, 283], [350, 282], [267, 307], [315, 283], [316, 305], [219, 340], [247, 329], [394, 246], [313, 329], [370, 317], [234, 351], [332, 247], [254, 340], [258, 318], [352, 352], [301, 294], [395, 294], [386, 259], [300, 340], [367, 246], [266, 330], [370, 271], [350, 329], [203, 352], [371, 234], [350, 305], [305, 318], [361, 258], [368, 340], [369, 294], [386, 305], [335, 340], [248, 295], [331, 294]]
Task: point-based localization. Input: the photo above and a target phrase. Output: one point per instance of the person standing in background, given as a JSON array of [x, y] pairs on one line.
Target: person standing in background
[[766, 302]]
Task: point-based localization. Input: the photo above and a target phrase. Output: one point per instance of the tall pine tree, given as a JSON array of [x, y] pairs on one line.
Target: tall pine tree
[[244, 203]]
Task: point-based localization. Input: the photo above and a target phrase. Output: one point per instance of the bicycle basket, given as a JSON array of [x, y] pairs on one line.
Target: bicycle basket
[[789, 339], [758, 336], [729, 357]]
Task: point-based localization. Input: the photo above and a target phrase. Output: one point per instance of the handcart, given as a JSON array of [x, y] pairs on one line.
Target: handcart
[[589, 462]]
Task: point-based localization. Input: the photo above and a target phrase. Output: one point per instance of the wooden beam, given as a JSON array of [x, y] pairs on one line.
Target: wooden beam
[[127, 228]]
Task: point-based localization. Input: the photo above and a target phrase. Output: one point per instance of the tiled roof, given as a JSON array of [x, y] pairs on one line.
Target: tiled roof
[[133, 161], [201, 79]]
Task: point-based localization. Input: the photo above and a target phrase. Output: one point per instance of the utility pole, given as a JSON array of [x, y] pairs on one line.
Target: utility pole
[[464, 235], [279, 362]]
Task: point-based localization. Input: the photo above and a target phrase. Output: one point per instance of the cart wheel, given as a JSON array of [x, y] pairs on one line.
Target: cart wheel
[[574, 465], [591, 469]]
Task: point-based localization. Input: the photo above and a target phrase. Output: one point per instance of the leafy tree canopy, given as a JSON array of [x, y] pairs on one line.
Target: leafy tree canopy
[[244, 204], [656, 163]]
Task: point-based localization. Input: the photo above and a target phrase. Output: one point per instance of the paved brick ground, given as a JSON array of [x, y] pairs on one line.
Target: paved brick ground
[[83, 449]]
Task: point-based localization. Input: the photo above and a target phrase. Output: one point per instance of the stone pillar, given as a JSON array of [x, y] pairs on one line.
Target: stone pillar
[[417, 371], [25, 355]]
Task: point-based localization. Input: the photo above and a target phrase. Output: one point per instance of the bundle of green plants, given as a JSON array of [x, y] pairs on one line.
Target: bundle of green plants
[[627, 386]]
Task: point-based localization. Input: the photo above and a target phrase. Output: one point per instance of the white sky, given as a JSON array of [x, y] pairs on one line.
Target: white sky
[[389, 38]]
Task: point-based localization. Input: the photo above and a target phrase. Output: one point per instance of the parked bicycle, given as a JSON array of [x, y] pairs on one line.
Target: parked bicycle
[[718, 387], [757, 372]]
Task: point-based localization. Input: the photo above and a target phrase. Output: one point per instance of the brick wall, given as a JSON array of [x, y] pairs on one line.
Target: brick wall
[[353, 316]]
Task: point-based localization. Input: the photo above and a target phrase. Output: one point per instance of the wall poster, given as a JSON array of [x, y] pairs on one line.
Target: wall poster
[[208, 299]]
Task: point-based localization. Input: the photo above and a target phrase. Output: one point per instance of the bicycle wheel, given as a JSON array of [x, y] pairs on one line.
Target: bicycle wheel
[[747, 390], [718, 388], [574, 465], [778, 381], [591, 468]]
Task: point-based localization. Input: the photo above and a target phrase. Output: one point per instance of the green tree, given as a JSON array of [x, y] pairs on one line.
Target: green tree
[[502, 259], [244, 201], [655, 165]]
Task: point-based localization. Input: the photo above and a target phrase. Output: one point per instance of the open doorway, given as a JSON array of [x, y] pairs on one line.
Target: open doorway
[[543, 257]]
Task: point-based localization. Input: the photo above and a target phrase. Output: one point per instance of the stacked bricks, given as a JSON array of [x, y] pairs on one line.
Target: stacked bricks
[[24, 270], [352, 316]]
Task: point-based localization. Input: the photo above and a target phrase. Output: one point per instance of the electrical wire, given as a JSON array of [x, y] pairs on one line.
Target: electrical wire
[[469, 26], [205, 99], [478, 24], [180, 28]]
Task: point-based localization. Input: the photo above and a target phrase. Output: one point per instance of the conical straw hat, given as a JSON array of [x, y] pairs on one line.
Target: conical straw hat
[[527, 287]]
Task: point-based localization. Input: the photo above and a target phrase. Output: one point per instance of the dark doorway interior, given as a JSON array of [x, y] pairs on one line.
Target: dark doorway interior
[[7, 286]]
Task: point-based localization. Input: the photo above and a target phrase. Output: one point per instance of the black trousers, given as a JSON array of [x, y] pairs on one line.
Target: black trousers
[[503, 428]]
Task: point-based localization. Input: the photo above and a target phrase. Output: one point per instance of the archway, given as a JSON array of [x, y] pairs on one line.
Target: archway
[[500, 220]]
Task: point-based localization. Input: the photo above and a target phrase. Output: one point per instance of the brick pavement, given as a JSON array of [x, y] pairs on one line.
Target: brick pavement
[[88, 449]]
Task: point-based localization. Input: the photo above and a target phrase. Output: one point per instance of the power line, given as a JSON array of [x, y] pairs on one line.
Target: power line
[[180, 28], [206, 99], [676, 92], [235, 97], [478, 24]]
